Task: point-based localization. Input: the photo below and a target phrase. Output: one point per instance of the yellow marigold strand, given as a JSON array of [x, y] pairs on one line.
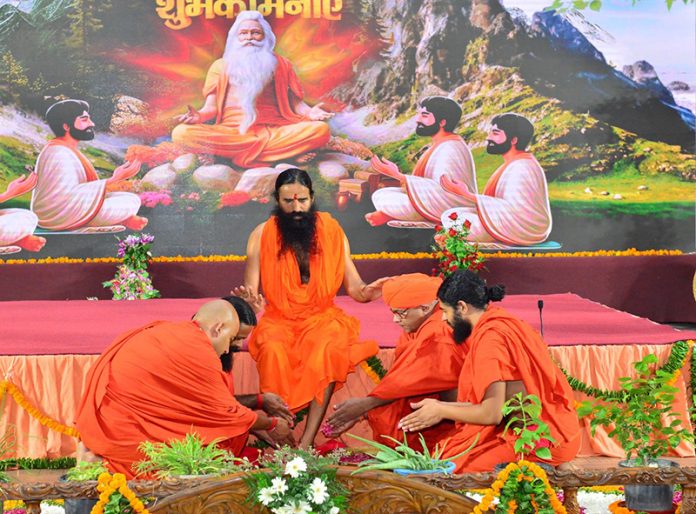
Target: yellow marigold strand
[[370, 372], [34, 412], [632, 252]]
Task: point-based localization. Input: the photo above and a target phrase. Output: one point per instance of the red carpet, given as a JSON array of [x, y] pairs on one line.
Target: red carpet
[[87, 327]]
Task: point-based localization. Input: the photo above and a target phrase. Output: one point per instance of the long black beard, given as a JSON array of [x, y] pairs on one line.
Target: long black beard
[[226, 359], [461, 329], [427, 130], [82, 135], [298, 231]]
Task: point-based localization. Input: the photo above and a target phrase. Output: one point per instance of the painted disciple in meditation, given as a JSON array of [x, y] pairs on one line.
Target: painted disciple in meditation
[[504, 356], [421, 197], [427, 363], [513, 209], [255, 99], [165, 380], [304, 346], [17, 225], [69, 194]]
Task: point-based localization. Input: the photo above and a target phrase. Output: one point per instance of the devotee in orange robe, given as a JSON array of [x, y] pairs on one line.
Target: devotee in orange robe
[[165, 380], [255, 99], [304, 346], [504, 356], [427, 364]]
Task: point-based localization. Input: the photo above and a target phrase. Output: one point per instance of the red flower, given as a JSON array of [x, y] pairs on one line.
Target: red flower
[[453, 216], [467, 224], [452, 232], [438, 228]]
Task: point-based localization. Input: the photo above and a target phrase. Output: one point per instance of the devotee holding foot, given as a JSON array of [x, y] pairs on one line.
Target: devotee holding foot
[[504, 356], [304, 346], [427, 364], [164, 380], [69, 193], [17, 225], [513, 209], [255, 99], [421, 197]]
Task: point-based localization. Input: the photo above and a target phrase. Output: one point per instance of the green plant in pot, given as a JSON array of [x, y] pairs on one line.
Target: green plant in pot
[[404, 460], [642, 420], [186, 457], [82, 472]]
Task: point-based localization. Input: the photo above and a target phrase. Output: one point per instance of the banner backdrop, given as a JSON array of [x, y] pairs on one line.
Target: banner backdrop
[[555, 131]]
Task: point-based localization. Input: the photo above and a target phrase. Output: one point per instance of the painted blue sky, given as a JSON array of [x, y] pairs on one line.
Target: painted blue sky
[[648, 31]]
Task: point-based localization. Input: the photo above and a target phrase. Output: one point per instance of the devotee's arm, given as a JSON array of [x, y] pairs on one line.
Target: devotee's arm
[[19, 186], [270, 403], [431, 412], [252, 272], [458, 188], [349, 411], [354, 285]]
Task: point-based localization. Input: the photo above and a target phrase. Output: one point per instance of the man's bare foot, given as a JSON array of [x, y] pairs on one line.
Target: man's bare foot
[[304, 159], [31, 243], [303, 445], [377, 218], [135, 223]]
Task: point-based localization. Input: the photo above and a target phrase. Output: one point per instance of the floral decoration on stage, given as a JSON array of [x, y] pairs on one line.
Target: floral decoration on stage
[[132, 280], [452, 249], [298, 481], [523, 487], [115, 497]]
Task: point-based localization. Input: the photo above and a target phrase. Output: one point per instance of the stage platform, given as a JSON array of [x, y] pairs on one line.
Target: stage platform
[[658, 287], [47, 348]]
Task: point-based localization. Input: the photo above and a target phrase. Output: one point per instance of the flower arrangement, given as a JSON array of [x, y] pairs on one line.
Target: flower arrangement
[[636, 417], [132, 281], [523, 487], [452, 249], [115, 497], [298, 481], [85, 471]]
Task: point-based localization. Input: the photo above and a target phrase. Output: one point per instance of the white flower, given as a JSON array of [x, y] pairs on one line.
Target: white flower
[[295, 466], [300, 508], [279, 485], [334, 510], [266, 495], [52, 509], [318, 491], [285, 509]]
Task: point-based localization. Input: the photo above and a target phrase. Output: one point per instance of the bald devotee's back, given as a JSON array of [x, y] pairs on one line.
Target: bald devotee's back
[[158, 383]]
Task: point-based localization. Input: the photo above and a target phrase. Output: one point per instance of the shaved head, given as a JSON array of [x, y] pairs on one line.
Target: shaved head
[[219, 320]]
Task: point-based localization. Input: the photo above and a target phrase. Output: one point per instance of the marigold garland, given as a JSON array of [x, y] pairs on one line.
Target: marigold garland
[[371, 373], [110, 484], [34, 412], [632, 252], [516, 468]]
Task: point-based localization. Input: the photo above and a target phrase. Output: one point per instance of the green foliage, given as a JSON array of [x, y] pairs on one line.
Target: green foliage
[[86, 471], [403, 153], [527, 490], [523, 414], [40, 463], [297, 479], [188, 456], [636, 419], [402, 456], [596, 5]]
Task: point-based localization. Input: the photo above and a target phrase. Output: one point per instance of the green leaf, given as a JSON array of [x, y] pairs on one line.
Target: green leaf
[[543, 453]]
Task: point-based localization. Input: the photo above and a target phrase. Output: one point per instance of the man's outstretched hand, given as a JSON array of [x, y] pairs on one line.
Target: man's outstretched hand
[[255, 299], [274, 405], [386, 167], [316, 113], [125, 171], [190, 117], [347, 414], [373, 290]]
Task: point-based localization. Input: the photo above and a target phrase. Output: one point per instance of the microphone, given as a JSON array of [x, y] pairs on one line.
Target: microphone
[[540, 304]]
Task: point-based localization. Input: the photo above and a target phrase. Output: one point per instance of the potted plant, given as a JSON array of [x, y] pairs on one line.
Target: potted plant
[[404, 460], [185, 458], [297, 481], [82, 472], [643, 422], [522, 486]]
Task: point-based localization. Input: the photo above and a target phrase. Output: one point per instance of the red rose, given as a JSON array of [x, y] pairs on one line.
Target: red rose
[[453, 216], [438, 228], [467, 224], [452, 232]]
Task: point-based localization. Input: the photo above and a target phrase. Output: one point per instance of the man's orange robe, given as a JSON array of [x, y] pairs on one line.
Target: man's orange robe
[[158, 383], [426, 362], [504, 348], [278, 133], [303, 342]]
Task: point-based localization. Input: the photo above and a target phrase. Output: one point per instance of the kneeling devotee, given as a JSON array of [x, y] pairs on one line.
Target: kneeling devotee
[[504, 356], [427, 364], [304, 346], [164, 380]]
